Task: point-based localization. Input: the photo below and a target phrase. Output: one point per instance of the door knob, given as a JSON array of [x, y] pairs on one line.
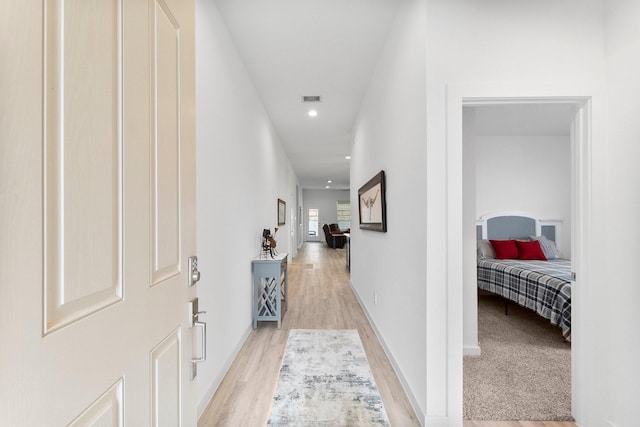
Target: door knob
[[203, 330], [195, 323]]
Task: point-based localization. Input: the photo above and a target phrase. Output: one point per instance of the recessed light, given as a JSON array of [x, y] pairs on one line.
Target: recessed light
[[311, 98], [312, 113], [327, 186], [347, 157], [329, 181]]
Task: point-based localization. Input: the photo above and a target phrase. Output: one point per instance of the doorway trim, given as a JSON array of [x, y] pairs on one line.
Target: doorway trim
[[581, 99]]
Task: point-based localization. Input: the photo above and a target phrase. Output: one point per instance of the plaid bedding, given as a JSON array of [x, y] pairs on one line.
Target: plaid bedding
[[542, 286]]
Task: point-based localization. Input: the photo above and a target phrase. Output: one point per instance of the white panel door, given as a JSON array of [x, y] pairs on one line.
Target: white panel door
[[97, 212]]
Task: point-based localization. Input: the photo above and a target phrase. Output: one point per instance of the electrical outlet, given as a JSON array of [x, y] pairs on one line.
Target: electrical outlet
[[375, 298]]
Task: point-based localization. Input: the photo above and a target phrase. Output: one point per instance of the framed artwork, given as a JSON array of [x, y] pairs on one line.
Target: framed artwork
[[282, 212], [373, 204]]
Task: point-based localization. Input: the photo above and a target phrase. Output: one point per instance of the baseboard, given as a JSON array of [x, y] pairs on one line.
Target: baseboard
[[216, 382], [405, 385], [471, 350]]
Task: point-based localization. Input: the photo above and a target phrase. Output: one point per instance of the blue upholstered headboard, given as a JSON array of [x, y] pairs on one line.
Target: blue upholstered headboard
[[515, 225]]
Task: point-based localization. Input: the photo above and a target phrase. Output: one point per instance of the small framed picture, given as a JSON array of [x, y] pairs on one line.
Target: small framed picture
[[282, 212], [373, 204]]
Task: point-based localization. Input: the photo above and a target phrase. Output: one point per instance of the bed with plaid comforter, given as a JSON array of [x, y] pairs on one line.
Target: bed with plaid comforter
[[542, 286]]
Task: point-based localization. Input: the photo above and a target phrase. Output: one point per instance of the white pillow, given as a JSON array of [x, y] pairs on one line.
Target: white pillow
[[548, 247], [485, 250]]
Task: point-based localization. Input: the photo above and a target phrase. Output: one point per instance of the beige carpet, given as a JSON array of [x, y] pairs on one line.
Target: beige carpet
[[524, 372]]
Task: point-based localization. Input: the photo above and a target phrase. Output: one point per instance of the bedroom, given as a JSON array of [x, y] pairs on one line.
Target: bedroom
[[517, 159]]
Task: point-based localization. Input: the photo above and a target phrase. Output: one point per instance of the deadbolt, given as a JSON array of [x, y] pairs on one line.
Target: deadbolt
[[194, 274]]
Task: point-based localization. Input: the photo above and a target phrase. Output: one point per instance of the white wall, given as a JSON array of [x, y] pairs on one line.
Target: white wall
[[618, 338], [241, 172], [325, 201], [530, 174], [548, 47], [390, 135], [469, 235]]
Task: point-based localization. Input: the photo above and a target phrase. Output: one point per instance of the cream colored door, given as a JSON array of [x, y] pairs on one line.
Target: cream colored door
[[96, 212]]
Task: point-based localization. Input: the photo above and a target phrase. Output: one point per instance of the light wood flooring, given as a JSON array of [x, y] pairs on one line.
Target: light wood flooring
[[319, 298]]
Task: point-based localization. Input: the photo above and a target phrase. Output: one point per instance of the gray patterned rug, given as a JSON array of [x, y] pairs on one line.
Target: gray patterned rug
[[325, 380]]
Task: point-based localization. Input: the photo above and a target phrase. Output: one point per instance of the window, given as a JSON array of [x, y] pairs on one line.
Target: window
[[344, 214], [313, 222]]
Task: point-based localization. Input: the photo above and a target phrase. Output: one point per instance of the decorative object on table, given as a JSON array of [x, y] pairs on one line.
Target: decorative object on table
[[269, 242], [325, 380], [373, 204], [282, 212]]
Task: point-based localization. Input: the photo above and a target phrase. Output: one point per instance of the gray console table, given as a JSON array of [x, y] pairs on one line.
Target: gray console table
[[270, 288]]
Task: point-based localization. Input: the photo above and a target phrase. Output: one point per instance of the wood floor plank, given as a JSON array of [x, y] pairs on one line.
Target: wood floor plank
[[319, 298]]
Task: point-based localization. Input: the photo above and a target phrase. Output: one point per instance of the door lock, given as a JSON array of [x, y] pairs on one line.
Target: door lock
[[194, 274], [195, 322]]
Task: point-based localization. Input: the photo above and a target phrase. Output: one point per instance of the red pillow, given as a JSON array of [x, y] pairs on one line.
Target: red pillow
[[530, 250], [505, 249]]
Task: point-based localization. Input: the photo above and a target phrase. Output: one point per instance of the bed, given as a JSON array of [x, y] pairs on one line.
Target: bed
[[543, 286]]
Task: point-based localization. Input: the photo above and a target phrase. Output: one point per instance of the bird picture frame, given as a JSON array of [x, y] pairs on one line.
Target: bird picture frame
[[373, 204]]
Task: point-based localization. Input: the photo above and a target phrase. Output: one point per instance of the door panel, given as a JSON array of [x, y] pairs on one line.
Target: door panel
[[97, 204], [165, 134], [165, 381], [106, 411], [82, 144]]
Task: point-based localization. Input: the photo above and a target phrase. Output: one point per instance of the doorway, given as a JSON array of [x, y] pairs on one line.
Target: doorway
[[459, 96], [517, 159], [313, 230]]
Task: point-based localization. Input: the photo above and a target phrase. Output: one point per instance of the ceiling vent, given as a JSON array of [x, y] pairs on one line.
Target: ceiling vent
[[315, 98]]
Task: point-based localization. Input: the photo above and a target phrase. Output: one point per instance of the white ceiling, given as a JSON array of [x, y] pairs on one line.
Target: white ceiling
[[329, 48], [311, 47]]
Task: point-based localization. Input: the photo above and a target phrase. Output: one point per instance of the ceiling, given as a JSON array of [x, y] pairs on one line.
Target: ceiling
[[329, 48], [295, 48]]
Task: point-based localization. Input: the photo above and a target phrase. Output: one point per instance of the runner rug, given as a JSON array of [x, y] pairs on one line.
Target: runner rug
[[325, 380]]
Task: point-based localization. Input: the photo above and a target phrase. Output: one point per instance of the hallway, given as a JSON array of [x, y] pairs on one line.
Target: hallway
[[319, 298]]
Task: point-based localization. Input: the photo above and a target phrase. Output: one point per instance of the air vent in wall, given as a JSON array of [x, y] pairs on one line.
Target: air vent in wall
[[315, 98]]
